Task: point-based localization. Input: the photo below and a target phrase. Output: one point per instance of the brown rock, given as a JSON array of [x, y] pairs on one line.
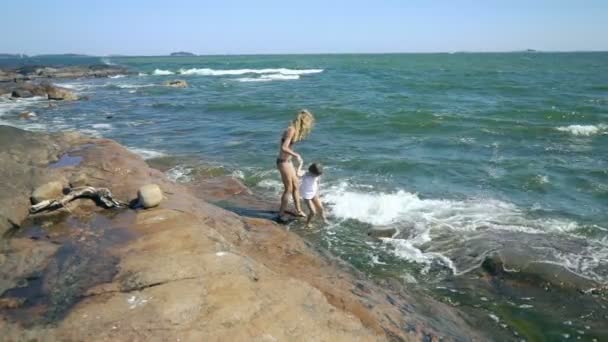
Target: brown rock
[[59, 93]]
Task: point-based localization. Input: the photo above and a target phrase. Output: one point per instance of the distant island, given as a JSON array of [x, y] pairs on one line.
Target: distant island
[[182, 54], [12, 55]]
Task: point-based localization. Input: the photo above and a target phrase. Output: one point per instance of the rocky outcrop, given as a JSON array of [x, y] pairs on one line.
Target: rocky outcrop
[[185, 269], [22, 159], [39, 72], [177, 84], [59, 93], [45, 89]]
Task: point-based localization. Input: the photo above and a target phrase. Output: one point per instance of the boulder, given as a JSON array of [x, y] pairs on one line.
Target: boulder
[[21, 93], [382, 231], [149, 196], [59, 93], [177, 84], [48, 191]]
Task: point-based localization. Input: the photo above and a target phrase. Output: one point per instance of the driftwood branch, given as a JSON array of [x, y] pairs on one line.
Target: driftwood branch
[[102, 196]]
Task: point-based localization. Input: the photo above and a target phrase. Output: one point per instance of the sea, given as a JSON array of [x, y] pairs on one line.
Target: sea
[[472, 157]]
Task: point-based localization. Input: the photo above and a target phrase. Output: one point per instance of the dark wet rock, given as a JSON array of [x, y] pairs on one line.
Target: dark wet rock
[[21, 93], [48, 191], [177, 84], [149, 196], [20, 258], [382, 231], [42, 72]]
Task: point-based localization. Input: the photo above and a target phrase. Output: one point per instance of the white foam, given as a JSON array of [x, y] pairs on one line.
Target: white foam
[[583, 130], [271, 184], [145, 153], [102, 126], [134, 86], [249, 79], [180, 174], [142, 74], [463, 215], [214, 72], [18, 105], [160, 72], [90, 132], [118, 76], [107, 61]]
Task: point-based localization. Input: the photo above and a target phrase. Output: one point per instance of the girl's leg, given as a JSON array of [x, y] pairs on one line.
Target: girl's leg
[[311, 211], [316, 201]]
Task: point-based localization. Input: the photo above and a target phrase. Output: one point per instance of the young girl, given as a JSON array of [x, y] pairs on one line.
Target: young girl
[[309, 189]]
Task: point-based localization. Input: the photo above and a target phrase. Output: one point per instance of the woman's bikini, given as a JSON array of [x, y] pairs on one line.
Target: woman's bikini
[[281, 160]]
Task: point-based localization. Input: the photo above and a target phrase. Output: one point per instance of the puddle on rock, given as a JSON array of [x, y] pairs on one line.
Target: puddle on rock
[[65, 161], [84, 260]]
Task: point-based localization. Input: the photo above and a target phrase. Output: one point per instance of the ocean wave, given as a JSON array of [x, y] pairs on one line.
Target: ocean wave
[[583, 130], [160, 72], [17, 105], [465, 215], [180, 174], [442, 232], [145, 153], [118, 76], [236, 72]]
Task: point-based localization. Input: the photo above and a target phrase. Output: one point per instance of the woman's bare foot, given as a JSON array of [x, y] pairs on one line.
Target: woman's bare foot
[[301, 214]]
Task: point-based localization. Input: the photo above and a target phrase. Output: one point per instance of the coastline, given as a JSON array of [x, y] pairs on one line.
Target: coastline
[[185, 269]]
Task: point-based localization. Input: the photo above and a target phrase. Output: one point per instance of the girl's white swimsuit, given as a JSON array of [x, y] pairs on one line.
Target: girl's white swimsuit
[[309, 186]]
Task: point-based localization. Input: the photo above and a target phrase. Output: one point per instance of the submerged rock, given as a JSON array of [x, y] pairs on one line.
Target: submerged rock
[[382, 231], [48, 191], [177, 84], [27, 115], [21, 93], [149, 196]]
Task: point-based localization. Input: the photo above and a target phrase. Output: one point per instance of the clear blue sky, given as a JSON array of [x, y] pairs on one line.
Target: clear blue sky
[[149, 27]]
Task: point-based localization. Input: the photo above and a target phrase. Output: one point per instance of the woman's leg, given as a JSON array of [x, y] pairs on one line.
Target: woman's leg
[[296, 193], [287, 186]]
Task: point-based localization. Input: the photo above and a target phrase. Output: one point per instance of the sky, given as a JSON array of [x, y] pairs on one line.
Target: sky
[[152, 27]]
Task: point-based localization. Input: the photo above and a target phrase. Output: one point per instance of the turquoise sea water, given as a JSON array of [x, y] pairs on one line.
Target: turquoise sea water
[[468, 155]]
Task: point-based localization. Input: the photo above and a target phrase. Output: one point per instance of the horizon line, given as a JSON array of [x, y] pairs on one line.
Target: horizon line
[[74, 54]]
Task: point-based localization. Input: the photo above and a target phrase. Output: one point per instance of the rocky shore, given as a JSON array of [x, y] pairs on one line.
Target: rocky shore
[[185, 270]]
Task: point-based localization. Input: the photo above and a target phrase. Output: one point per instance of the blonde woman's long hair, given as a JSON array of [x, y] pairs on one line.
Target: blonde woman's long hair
[[303, 124]]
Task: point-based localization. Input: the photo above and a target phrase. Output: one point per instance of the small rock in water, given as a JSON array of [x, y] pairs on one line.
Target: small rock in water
[[27, 115], [48, 191], [149, 196], [382, 232], [177, 84]]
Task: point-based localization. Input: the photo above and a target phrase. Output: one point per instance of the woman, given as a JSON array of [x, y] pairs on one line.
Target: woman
[[298, 130]]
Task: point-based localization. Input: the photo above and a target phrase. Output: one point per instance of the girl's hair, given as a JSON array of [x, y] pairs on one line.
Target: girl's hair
[[303, 124], [316, 169]]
